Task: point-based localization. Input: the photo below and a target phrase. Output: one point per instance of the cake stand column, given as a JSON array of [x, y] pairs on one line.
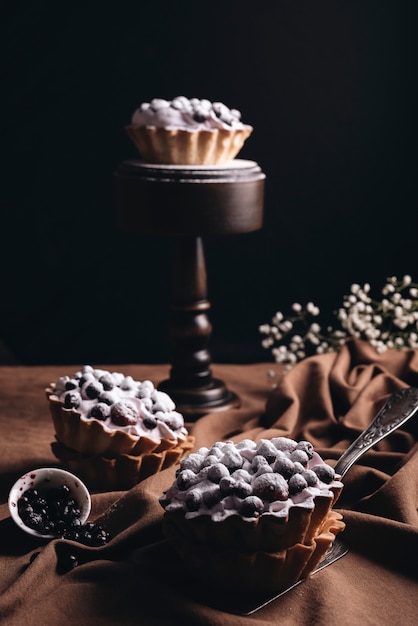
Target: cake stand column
[[191, 383], [188, 202]]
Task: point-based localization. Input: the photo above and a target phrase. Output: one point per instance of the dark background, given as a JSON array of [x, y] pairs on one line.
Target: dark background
[[329, 87]]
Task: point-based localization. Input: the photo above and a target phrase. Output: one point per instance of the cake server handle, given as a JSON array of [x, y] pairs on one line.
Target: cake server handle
[[398, 409]]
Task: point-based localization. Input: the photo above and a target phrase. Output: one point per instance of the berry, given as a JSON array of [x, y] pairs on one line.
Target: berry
[[91, 389], [325, 473], [193, 500], [185, 478], [307, 447], [108, 397], [199, 116], [107, 381], [297, 483], [267, 449], [227, 485], [310, 477], [232, 459], [300, 456], [284, 466], [150, 422], [252, 506], [270, 487], [242, 489], [212, 495], [72, 400], [100, 411], [174, 421], [257, 462], [216, 472], [124, 413]]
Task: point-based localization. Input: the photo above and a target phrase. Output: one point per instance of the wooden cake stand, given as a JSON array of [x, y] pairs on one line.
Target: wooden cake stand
[[189, 202]]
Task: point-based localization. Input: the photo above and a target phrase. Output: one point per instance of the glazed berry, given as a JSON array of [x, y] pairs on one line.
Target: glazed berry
[[108, 397], [307, 447], [212, 496], [185, 478], [251, 506], [325, 473], [232, 459], [107, 381], [227, 485], [72, 400], [174, 421], [284, 466], [92, 535], [242, 489], [267, 450], [124, 414], [199, 116], [216, 472], [297, 483], [92, 389], [300, 456], [150, 422], [310, 477], [193, 500], [257, 462], [100, 411], [270, 487], [128, 384]]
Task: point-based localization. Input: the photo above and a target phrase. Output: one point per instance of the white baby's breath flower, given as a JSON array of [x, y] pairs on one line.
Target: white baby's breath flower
[[389, 323]]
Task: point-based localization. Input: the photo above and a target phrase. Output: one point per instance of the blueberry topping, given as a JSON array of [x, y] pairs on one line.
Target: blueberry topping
[[310, 477], [100, 411], [227, 485], [325, 473], [307, 447], [216, 472], [300, 456], [258, 461], [174, 421], [284, 466], [242, 489], [107, 397], [193, 500], [92, 389], [72, 400], [150, 422], [270, 487], [251, 506], [107, 381], [124, 414], [211, 496], [185, 478], [199, 116], [297, 483]]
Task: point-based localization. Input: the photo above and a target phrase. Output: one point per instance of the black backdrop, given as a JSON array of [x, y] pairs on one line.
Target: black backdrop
[[328, 86]]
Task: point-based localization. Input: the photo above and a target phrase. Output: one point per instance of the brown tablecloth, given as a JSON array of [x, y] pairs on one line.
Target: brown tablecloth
[[137, 579]]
